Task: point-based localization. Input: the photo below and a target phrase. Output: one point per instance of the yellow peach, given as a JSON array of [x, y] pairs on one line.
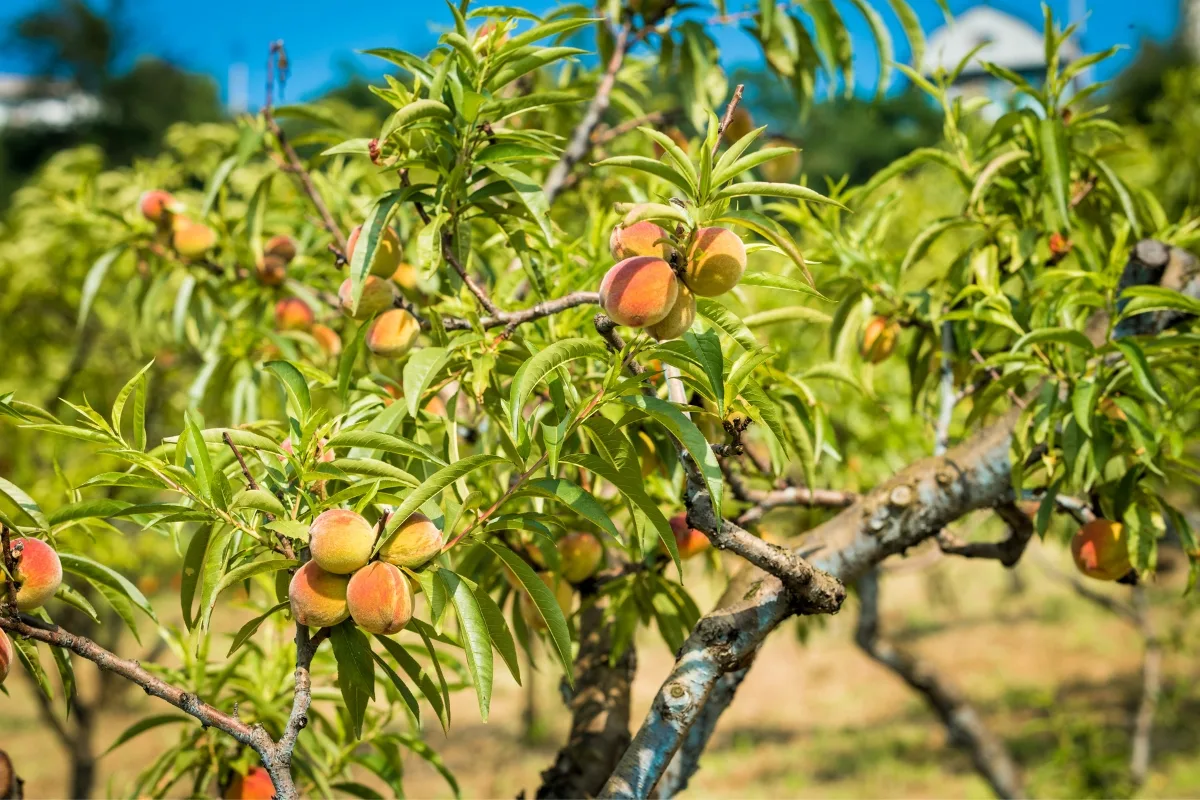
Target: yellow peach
[[579, 556], [341, 540], [639, 239], [784, 168], [6, 655], [688, 540], [879, 340], [387, 251], [393, 333], [380, 599], [414, 543], [678, 319], [377, 295], [716, 261], [191, 239], [293, 314], [157, 205], [282, 246], [328, 340], [271, 270], [256, 784], [1101, 550], [639, 291], [317, 597], [39, 572]]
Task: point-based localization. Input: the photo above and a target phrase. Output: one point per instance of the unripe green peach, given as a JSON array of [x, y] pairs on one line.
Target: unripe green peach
[[293, 314], [317, 597], [6, 655], [579, 556], [328, 340], [377, 295], [157, 205], [716, 261], [678, 319], [879, 340], [784, 168], [380, 599], [639, 291], [39, 572], [688, 540], [563, 593], [387, 252], [1101, 550], [341, 540], [740, 124], [271, 270], [414, 543], [639, 239], [256, 784], [393, 333], [191, 239], [282, 246]]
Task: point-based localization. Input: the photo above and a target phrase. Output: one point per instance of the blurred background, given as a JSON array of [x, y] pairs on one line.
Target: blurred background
[[102, 85]]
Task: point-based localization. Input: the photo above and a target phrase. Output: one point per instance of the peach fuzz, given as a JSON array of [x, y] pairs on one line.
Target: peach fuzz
[[579, 556], [380, 599], [639, 291], [387, 251], [293, 314], [1101, 550], [414, 543], [377, 295], [393, 333], [254, 785], [678, 319], [340, 540], [39, 573], [638, 239], [317, 597], [716, 261], [688, 540], [191, 239]]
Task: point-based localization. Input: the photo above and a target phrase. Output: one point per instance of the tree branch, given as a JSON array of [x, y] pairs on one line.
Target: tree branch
[[725, 120], [1152, 656], [535, 312], [1008, 552]]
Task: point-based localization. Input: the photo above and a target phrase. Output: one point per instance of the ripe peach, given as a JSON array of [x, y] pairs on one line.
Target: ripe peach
[[282, 246], [39, 573], [387, 252], [271, 270], [740, 124], [879, 339], [405, 276], [639, 291], [328, 340], [579, 555], [157, 205], [317, 597], [690, 541], [415, 542], [377, 295], [678, 319], [380, 599], [638, 239], [191, 239], [563, 593], [254, 785], [6, 655], [340, 540], [293, 314], [784, 168], [1101, 550], [393, 333], [716, 261]]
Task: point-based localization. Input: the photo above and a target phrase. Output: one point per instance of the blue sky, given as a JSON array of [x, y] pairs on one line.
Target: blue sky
[[322, 37]]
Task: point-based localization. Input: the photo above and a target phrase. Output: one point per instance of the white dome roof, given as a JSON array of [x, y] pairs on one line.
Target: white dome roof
[[1010, 42]]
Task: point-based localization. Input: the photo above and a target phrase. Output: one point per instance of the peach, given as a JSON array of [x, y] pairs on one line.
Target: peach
[[191, 239], [317, 597], [579, 556], [328, 340], [688, 540], [784, 168], [563, 593], [377, 295], [405, 276], [340, 540], [639, 239], [157, 205], [678, 319], [39, 573], [6, 655], [256, 784], [647, 454], [740, 124], [271, 270], [716, 261], [282, 246], [677, 137], [639, 291], [879, 340], [380, 599], [393, 333], [387, 252], [414, 543], [1101, 550], [293, 314]]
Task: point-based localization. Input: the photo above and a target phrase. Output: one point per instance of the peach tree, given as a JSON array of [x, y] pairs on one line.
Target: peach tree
[[486, 374]]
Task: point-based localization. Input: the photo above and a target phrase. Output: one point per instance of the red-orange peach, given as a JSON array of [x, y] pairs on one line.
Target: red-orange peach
[[1101, 550], [328, 340], [271, 270], [191, 239], [716, 261], [377, 295], [678, 319], [340, 540], [317, 597], [562, 592], [688, 540], [415, 542], [256, 784], [293, 314], [639, 291], [393, 333], [387, 252], [579, 556], [405, 276], [879, 340], [6, 655], [157, 205], [39, 573], [380, 599], [282, 246], [639, 239]]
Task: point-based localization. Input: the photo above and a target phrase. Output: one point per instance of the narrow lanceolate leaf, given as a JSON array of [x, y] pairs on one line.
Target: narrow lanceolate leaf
[[529, 192], [27, 654], [431, 487], [24, 502], [293, 383], [578, 500], [501, 636], [193, 565], [785, 283], [686, 431], [726, 321], [411, 668], [989, 173], [650, 166], [420, 370], [1056, 166], [118, 408], [534, 370], [197, 450], [260, 500], [473, 630], [706, 347], [86, 509], [73, 598], [356, 670], [239, 574], [91, 284], [1141, 369], [410, 700], [99, 573], [763, 189], [346, 362], [543, 600], [385, 442], [251, 627]]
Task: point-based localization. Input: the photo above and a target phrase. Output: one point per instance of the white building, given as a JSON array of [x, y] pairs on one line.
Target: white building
[[53, 105]]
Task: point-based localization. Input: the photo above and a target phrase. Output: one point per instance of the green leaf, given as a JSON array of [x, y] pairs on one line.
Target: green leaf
[[193, 566], [373, 229], [251, 627], [410, 700], [1141, 369], [261, 500], [530, 194], [143, 725], [650, 166], [473, 630], [27, 654], [787, 314], [1067, 336], [432, 486], [726, 321], [219, 176], [534, 370], [24, 502], [135, 383], [91, 284], [420, 677], [1056, 165], [237, 575], [99, 573], [918, 157], [422, 367], [707, 349], [76, 600], [686, 431], [86, 509], [346, 361], [784, 283], [208, 485], [385, 442], [356, 671], [544, 601], [764, 189], [416, 111], [501, 636], [578, 500], [988, 173], [294, 383]]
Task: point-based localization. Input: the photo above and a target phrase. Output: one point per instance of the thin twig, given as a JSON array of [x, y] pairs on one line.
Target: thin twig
[[725, 120], [238, 455]]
